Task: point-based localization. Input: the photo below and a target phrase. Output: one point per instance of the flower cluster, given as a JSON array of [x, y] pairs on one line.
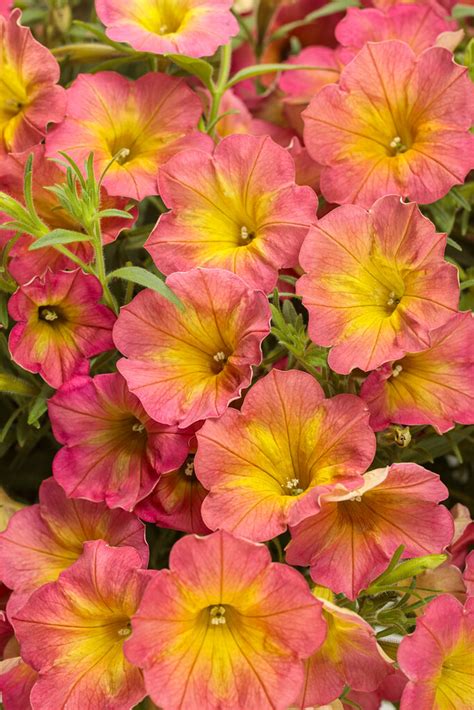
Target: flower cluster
[[236, 355]]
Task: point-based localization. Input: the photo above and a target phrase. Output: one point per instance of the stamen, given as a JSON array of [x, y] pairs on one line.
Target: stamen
[[220, 356], [48, 314], [189, 469], [138, 427], [293, 486], [396, 370], [217, 615]]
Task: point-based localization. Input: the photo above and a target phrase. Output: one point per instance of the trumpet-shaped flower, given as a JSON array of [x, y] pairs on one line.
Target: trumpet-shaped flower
[[435, 386], [29, 95], [141, 123], [43, 540], [176, 501], [350, 655], [224, 627], [194, 27], [187, 365], [437, 657], [376, 283], [238, 209], [387, 128], [267, 466], [60, 323], [113, 451], [352, 539], [24, 264], [417, 25], [72, 631]]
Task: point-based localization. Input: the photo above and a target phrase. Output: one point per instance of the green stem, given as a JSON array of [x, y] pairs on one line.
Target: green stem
[[101, 271], [219, 87]]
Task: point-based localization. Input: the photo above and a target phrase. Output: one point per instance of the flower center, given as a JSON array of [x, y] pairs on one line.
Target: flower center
[[49, 314], [217, 615], [246, 235], [397, 146], [292, 487]]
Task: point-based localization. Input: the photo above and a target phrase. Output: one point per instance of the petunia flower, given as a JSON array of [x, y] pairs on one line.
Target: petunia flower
[[434, 386], [24, 264], [141, 123], [113, 451], [72, 631], [396, 123], [224, 627], [238, 209], [187, 365], [60, 323], [29, 95], [17, 679], [417, 25], [267, 466], [376, 283], [350, 655], [352, 539], [176, 501], [437, 657], [43, 540], [195, 27]]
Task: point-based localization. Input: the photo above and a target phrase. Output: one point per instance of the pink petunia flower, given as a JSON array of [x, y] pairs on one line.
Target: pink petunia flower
[[224, 627], [437, 657], [417, 25], [194, 27], [141, 123], [352, 539], [43, 540], [238, 209], [24, 264], [350, 655], [72, 631], [267, 466], [187, 365], [113, 451], [434, 386], [176, 501], [29, 95], [376, 284], [386, 128], [60, 323]]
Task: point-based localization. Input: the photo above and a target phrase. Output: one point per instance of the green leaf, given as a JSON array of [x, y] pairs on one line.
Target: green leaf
[[460, 11], [103, 214], [145, 278], [58, 236], [14, 385], [405, 570], [197, 67], [259, 69]]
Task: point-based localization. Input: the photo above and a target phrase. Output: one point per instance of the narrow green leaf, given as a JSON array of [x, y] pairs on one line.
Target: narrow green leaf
[[259, 69], [59, 236], [145, 278], [114, 213], [197, 67]]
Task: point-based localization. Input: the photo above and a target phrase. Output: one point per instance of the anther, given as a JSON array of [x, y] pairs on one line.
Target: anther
[[217, 615], [48, 314]]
